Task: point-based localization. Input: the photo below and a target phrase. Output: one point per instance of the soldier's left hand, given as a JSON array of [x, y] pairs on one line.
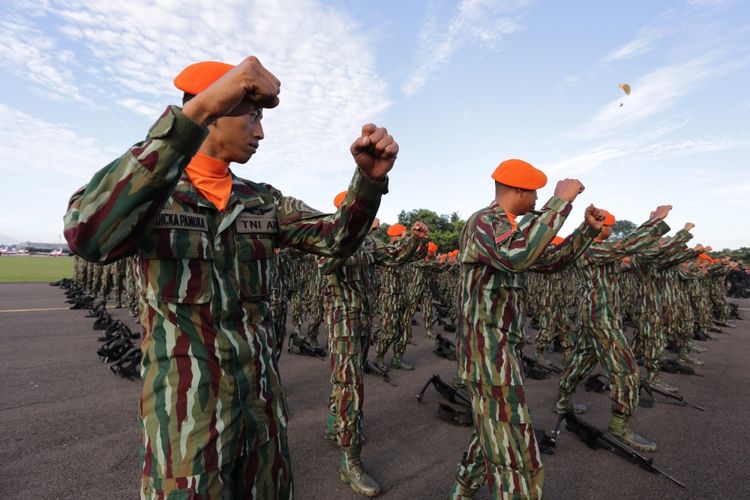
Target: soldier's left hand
[[594, 217], [420, 230], [374, 152]]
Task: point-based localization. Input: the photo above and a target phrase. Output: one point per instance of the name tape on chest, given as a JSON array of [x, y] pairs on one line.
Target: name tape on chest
[[251, 223], [181, 220]]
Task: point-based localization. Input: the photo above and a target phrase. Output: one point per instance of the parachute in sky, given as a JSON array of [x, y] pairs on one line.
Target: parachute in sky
[[625, 88]]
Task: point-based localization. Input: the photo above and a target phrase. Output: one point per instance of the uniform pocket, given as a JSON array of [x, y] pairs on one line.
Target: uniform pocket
[[256, 265], [176, 267]]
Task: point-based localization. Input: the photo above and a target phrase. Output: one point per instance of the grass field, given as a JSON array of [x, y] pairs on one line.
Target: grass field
[[28, 269]]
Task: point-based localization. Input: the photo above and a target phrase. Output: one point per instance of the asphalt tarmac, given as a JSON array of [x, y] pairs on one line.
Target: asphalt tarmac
[[68, 426]]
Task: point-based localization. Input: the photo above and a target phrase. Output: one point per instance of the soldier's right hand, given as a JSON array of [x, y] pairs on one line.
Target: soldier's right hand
[[245, 87], [568, 189]]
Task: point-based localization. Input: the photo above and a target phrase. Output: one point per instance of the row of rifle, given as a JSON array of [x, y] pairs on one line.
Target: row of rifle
[[118, 348]]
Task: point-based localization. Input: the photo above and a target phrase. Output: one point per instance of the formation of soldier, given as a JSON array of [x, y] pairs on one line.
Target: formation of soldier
[[220, 263]]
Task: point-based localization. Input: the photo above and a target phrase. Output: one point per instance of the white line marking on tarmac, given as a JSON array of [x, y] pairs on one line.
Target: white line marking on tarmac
[[33, 310]]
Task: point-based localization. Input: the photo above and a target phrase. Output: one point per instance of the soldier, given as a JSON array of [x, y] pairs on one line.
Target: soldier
[[419, 290], [600, 335], [212, 412], [393, 301], [495, 250]]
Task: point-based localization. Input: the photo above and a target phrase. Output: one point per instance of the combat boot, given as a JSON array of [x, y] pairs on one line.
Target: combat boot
[[620, 429], [698, 349], [380, 364], [400, 364], [352, 473], [564, 405], [686, 358]]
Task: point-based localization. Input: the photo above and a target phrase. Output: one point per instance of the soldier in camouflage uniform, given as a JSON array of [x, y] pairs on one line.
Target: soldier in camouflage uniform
[[495, 250], [655, 309], [393, 301], [600, 335], [118, 280], [212, 412], [420, 295]]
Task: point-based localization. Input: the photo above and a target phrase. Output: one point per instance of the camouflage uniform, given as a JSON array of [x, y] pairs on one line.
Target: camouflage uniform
[[600, 335], [491, 334], [212, 411], [393, 301], [420, 295]]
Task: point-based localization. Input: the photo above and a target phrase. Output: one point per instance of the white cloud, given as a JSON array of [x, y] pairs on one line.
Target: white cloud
[[27, 53], [639, 149], [643, 42], [128, 53], [29, 144], [477, 21], [655, 93]]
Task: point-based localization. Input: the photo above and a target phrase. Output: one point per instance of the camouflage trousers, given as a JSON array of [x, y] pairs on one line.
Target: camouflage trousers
[[502, 450], [420, 298], [608, 346], [118, 287], [553, 322], [651, 340], [347, 337], [316, 318], [684, 321], [264, 473], [278, 311], [296, 310], [393, 326]]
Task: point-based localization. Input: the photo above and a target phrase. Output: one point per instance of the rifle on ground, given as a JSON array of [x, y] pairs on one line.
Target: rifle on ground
[[650, 390], [444, 348], [371, 368], [461, 415], [534, 367], [594, 438], [304, 347]]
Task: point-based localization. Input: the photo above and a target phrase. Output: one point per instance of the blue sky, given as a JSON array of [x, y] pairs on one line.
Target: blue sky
[[461, 85]]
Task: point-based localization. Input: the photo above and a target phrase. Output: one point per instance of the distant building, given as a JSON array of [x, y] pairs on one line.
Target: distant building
[[44, 248]]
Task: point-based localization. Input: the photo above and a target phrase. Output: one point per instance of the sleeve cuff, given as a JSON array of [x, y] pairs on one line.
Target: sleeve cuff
[[588, 231], [183, 134], [557, 204], [369, 189]]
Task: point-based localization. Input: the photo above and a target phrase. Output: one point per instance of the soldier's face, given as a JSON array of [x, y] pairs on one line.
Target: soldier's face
[[526, 201], [605, 233], [237, 137]]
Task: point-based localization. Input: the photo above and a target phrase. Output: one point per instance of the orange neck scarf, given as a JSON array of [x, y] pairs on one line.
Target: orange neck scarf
[[512, 220], [211, 177]]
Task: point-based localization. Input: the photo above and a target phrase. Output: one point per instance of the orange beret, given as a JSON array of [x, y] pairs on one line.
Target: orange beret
[[431, 247], [339, 199], [519, 174], [199, 76], [557, 240], [396, 230], [454, 253], [609, 219]]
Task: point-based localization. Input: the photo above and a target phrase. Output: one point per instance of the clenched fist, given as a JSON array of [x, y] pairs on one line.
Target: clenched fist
[[568, 189], [245, 87], [374, 151]]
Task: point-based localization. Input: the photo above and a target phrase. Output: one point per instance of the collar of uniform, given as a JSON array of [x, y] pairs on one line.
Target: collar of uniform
[[186, 192], [249, 194]]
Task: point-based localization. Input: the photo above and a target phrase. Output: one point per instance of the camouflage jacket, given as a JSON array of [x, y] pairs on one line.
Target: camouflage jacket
[[492, 298], [393, 281], [211, 384], [599, 270]]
